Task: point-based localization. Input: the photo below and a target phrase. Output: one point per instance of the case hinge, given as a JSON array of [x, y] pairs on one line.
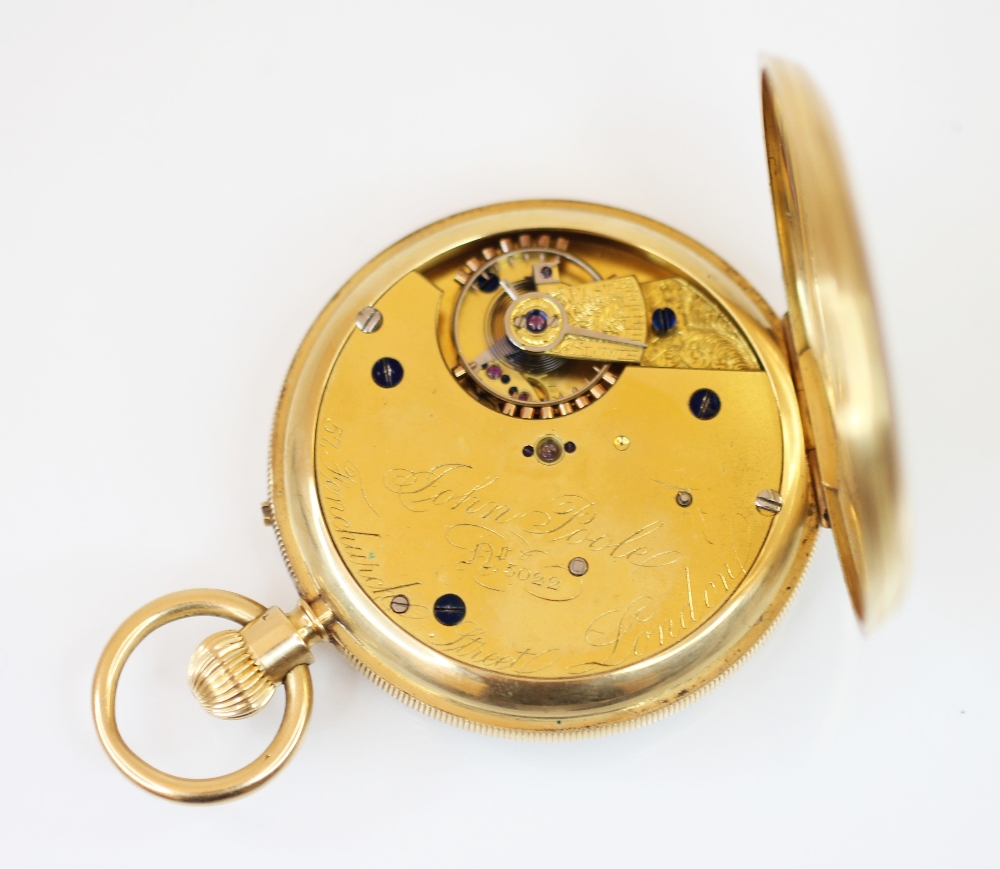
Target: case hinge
[[807, 429]]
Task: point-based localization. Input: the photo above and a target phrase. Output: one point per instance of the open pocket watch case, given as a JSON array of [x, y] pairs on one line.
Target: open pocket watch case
[[551, 469]]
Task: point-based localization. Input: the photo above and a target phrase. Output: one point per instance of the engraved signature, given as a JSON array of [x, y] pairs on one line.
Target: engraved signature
[[619, 632], [361, 550], [634, 631], [471, 645], [336, 478], [570, 518]]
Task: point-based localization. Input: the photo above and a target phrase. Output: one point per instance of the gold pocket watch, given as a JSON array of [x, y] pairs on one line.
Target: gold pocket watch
[[551, 469]]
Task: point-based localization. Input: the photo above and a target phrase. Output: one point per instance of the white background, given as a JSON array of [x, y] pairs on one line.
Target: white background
[[182, 188]]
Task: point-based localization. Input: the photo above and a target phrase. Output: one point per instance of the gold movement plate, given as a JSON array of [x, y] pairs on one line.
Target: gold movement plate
[[427, 493], [591, 554], [705, 336]]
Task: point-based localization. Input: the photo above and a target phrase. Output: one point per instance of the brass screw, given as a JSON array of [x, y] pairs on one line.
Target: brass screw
[[621, 442]]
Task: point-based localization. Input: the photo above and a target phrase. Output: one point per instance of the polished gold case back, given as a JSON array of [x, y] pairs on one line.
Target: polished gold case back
[[522, 550], [835, 341]]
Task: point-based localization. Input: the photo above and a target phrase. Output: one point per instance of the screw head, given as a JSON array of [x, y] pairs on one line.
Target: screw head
[[399, 604], [684, 499], [768, 501], [621, 442], [705, 404], [387, 372], [369, 320], [549, 450], [449, 609], [578, 566], [663, 320], [487, 282]]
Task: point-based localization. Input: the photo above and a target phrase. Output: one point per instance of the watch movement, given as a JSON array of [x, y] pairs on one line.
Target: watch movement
[[551, 469]]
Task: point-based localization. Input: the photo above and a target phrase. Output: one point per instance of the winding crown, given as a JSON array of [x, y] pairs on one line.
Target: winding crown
[[234, 673], [226, 679]]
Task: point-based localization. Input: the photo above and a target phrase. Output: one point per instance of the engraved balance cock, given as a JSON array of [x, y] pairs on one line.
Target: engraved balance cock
[[607, 321]]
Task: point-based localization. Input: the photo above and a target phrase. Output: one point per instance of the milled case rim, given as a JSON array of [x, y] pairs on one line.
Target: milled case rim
[[491, 700]]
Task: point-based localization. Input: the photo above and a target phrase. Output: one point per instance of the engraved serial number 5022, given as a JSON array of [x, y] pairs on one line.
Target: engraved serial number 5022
[[497, 563]]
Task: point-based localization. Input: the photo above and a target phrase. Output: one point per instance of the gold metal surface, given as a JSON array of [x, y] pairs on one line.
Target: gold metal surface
[[233, 674], [605, 320], [276, 643], [704, 338], [486, 351], [427, 493], [331, 477], [548, 337], [162, 611], [836, 343], [226, 680]]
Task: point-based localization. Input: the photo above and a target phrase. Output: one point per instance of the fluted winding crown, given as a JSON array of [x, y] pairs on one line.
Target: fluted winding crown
[[226, 679]]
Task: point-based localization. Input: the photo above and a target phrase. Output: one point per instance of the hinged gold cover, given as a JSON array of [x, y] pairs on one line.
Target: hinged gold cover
[[836, 339]]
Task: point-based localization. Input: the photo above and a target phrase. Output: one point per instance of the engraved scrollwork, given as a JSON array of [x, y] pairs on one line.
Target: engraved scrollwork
[[704, 337], [614, 306]]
